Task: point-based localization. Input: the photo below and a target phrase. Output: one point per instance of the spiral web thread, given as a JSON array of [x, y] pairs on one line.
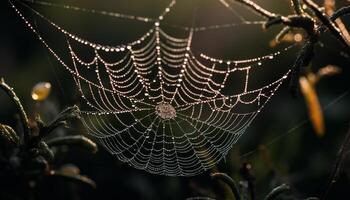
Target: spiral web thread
[[161, 107]]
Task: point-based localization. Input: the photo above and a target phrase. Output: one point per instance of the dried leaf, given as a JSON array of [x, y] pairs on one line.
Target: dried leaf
[[286, 36], [69, 169], [329, 70], [313, 104]]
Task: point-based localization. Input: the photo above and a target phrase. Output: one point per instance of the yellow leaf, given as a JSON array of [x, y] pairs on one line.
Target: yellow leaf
[[69, 170], [329, 70], [313, 104], [41, 91], [288, 38]]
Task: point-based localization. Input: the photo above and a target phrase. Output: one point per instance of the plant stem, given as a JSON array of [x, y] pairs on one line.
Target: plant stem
[[277, 191], [325, 20], [296, 6], [330, 6], [341, 12], [258, 9], [23, 115]]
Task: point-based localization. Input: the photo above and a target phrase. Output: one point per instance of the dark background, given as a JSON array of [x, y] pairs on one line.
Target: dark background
[[291, 153]]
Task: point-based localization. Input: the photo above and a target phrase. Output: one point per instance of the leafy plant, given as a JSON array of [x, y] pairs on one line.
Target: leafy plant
[[26, 155]]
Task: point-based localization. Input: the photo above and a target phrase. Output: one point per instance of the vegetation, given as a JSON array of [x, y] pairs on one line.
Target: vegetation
[[36, 154]]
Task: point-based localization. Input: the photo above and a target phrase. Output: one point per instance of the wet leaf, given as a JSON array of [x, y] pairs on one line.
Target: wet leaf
[[313, 104]]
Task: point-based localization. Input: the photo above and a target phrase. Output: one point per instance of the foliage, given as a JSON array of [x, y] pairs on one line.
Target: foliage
[[26, 155], [313, 20]]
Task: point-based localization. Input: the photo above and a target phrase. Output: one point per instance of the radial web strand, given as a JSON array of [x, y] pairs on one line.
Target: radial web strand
[[161, 106]]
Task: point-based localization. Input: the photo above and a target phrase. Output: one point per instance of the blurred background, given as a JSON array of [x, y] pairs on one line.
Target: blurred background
[[280, 145]]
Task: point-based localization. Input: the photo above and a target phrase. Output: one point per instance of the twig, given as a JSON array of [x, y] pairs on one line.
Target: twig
[[23, 116], [330, 6], [341, 12], [303, 59], [298, 21], [308, 24], [258, 9], [325, 20], [297, 7]]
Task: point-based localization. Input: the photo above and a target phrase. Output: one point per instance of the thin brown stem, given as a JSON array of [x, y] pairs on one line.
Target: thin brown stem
[[298, 20], [340, 13], [325, 20], [297, 7], [257, 9]]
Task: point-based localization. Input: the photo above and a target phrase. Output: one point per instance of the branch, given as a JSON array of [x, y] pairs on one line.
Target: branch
[[325, 20], [340, 13], [298, 21], [258, 9], [23, 115], [303, 59], [297, 7]]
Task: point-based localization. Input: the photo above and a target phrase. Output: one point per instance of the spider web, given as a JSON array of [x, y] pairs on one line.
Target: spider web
[[162, 107]]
